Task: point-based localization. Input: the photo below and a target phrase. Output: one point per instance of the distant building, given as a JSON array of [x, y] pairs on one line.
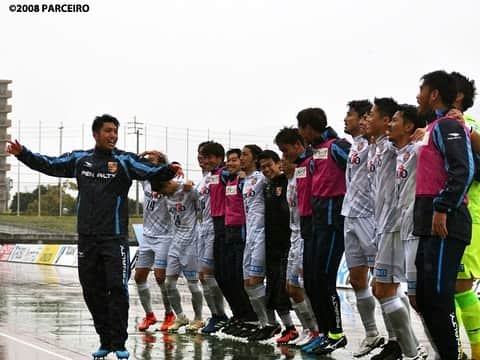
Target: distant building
[[5, 123]]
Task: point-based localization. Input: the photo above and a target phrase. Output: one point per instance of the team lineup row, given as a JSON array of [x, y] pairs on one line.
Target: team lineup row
[[267, 235]]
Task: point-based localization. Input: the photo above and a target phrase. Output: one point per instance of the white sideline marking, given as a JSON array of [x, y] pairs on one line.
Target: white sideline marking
[[34, 346]]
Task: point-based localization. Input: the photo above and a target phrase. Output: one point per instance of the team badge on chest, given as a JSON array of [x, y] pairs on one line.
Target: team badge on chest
[[112, 167]]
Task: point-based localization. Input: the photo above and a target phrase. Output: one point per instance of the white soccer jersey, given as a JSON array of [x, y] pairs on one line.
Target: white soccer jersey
[[358, 201], [406, 171], [386, 219], [182, 206], [156, 219], [203, 192], [253, 200]]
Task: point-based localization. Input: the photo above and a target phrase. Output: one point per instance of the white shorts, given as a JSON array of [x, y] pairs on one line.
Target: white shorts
[[205, 238], [254, 253], [390, 260], [153, 251], [183, 260], [360, 249], [295, 260], [411, 247]]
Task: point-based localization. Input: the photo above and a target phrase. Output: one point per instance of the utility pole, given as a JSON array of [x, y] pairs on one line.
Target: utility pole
[[18, 177], [39, 174], [136, 128], [60, 205]]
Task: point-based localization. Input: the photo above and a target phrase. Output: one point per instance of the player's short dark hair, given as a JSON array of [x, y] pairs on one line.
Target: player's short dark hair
[[157, 184], [386, 106], [202, 144], [410, 114], [100, 120], [288, 136], [213, 148], [315, 117], [361, 107], [467, 87], [234, 151], [443, 82], [268, 155]]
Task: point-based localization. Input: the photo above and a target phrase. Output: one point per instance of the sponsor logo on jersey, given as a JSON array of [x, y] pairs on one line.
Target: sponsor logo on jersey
[[88, 164], [231, 190], [454, 136], [406, 156], [301, 172], [402, 172], [320, 154], [213, 180], [355, 158], [112, 166], [360, 146]]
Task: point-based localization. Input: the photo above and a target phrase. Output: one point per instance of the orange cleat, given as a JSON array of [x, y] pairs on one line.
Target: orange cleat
[[148, 320], [168, 321]]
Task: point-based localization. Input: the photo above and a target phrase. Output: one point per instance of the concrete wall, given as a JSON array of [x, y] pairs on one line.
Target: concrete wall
[[5, 123]]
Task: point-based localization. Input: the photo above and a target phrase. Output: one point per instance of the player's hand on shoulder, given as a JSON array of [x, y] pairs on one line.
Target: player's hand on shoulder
[[188, 185], [242, 174], [418, 135], [456, 114]]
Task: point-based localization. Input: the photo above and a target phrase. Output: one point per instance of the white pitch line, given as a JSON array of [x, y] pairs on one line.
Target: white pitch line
[[34, 346]]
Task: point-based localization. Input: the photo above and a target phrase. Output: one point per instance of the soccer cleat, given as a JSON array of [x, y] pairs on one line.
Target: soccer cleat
[[100, 354], [422, 352], [231, 324], [306, 337], [330, 345], [245, 330], [195, 325], [148, 320], [314, 342], [301, 337], [267, 332], [390, 351], [215, 324], [179, 322], [168, 321], [288, 335], [368, 344], [122, 354]]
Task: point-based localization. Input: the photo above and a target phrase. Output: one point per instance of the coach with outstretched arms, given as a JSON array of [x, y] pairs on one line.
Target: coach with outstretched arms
[[104, 175]]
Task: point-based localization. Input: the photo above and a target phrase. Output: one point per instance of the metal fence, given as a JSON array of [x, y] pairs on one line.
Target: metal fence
[[180, 144]]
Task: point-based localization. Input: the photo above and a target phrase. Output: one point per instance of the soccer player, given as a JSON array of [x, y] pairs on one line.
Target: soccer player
[[244, 318], [104, 174], [295, 289], [182, 201], [254, 253], [277, 243], [153, 252], [328, 189], [401, 127], [214, 154], [210, 155], [441, 217], [466, 300], [292, 146], [359, 226]]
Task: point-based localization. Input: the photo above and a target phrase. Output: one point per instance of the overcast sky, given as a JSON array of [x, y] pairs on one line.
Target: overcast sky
[[248, 66]]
